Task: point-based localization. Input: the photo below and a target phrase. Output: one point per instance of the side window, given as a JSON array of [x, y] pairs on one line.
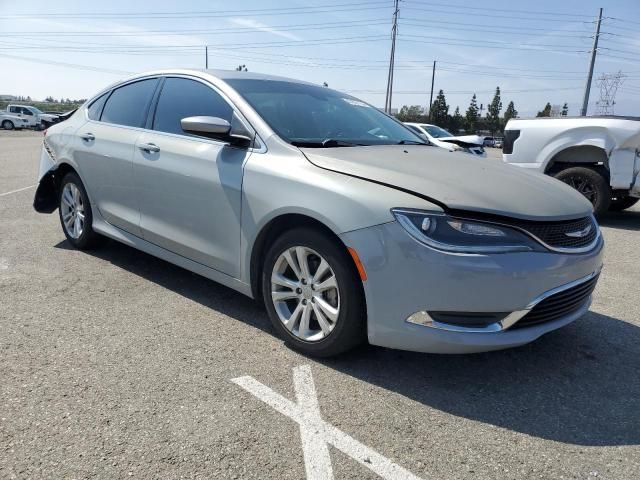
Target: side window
[[128, 105], [13, 109], [95, 109], [181, 98], [415, 129], [26, 111]]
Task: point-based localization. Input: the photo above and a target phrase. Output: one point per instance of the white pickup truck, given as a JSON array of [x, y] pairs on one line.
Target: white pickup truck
[[598, 156], [36, 118]]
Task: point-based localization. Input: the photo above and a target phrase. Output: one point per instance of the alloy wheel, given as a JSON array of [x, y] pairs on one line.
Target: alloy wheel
[[72, 209], [304, 291], [584, 186]]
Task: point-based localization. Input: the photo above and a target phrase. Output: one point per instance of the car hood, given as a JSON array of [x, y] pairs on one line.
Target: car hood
[[456, 182], [468, 139]]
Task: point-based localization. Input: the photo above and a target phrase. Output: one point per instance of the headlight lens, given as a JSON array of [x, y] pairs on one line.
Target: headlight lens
[[458, 235]]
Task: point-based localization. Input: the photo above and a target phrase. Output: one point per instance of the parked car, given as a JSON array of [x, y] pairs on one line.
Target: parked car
[[9, 121], [439, 137], [35, 117], [598, 156], [498, 142], [336, 216], [488, 141]]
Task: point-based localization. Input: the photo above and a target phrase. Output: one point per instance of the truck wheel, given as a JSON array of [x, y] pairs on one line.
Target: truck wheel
[[7, 125], [622, 203], [591, 184]]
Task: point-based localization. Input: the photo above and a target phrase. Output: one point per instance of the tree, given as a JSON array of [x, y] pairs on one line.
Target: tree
[[411, 113], [565, 110], [471, 117], [49, 99], [439, 114], [241, 68], [493, 112], [325, 84], [510, 112], [546, 111], [456, 121]]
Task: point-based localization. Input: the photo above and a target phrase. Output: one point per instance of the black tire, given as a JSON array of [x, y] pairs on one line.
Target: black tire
[[88, 238], [8, 125], [590, 183], [622, 203], [350, 327]]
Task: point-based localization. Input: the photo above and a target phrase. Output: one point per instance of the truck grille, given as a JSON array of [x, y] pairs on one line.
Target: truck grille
[[559, 305], [562, 234]]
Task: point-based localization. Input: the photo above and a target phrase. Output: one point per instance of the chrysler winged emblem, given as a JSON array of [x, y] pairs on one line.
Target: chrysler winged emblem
[[579, 233]]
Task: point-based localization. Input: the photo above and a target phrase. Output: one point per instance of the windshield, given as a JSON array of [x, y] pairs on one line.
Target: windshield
[[436, 132], [312, 116], [35, 110]]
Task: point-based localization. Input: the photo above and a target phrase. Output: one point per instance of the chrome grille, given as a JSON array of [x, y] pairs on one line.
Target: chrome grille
[[559, 234]]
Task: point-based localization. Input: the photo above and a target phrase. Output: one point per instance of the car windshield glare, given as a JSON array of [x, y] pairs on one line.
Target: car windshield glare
[[312, 116], [436, 132]]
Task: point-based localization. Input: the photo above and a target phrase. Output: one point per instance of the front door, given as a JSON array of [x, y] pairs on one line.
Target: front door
[[190, 187]]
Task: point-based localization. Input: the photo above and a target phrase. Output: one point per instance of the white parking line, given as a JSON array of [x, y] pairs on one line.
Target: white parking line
[[16, 191], [316, 434]]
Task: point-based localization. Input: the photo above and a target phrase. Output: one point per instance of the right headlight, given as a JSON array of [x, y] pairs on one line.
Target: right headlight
[[452, 234]]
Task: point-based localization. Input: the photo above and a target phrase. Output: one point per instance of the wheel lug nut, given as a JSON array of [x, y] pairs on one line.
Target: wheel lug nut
[[304, 282], [304, 302], [298, 291]]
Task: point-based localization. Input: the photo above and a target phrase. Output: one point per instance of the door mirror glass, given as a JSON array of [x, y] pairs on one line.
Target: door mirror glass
[[206, 126]]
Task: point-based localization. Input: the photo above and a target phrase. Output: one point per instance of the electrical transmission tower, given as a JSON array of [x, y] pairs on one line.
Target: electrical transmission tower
[[609, 84]]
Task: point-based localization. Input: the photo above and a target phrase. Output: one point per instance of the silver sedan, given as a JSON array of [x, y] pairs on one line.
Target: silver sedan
[[336, 216]]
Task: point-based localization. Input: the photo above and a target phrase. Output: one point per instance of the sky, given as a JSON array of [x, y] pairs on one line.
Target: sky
[[537, 52]]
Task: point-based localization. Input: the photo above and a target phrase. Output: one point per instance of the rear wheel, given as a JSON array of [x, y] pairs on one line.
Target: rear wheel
[[591, 184], [622, 203], [8, 125], [313, 293], [75, 213]]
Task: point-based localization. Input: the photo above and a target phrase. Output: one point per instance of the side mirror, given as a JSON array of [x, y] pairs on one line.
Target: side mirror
[[235, 132], [206, 126]]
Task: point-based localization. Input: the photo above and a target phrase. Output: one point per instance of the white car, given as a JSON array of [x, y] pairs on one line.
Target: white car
[[439, 137], [34, 116], [9, 121], [598, 156]]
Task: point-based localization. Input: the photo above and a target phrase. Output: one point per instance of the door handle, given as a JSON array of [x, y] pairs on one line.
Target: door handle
[[88, 137], [149, 148]]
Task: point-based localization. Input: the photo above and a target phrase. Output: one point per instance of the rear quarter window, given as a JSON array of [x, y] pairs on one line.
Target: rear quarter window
[[95, 109]]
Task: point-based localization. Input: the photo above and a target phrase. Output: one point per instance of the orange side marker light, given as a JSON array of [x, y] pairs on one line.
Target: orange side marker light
[[359, 265]]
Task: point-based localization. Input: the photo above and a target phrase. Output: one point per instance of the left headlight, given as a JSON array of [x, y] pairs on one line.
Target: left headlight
[[458, 235]]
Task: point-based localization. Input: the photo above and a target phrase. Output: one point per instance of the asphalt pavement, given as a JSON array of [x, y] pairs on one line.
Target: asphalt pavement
[[114, 364]]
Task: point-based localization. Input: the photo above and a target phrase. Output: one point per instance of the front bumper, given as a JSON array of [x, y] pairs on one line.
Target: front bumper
[[406, 277]]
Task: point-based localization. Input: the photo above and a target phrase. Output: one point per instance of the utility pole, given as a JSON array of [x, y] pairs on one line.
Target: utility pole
[[587, 88], [433, 77], [394, 31], [206, 56]]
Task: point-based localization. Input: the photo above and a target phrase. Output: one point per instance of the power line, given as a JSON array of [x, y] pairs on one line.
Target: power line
[[310, 9], [534, 12]]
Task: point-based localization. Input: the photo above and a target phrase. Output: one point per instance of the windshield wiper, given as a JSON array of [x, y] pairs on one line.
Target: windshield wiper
[[411, 142], [326, 143]]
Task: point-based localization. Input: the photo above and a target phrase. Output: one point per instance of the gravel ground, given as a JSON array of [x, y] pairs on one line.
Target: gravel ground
[[115, 364]]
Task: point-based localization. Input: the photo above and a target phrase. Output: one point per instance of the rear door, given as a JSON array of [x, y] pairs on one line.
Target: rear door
[[190, 187], [104, 151]]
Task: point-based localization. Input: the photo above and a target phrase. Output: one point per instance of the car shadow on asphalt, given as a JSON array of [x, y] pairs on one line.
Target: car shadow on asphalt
[[629, 220], [578, 385], [183, 282]]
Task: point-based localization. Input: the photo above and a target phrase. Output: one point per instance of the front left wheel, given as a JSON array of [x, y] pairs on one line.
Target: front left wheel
[[313, 293], [75, 213]]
